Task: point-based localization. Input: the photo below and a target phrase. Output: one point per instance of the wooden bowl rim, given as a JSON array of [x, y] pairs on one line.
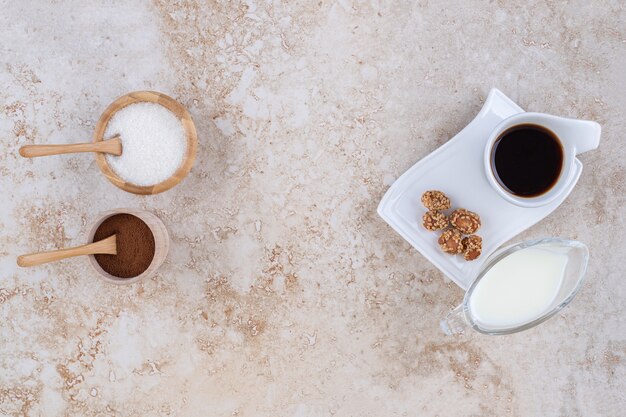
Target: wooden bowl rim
[[172, 105]]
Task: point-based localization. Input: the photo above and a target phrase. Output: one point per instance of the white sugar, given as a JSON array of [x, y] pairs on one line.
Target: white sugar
[[153, 143]]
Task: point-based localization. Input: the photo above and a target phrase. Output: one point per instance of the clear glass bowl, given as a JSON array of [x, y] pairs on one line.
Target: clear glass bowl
[[577, 257]]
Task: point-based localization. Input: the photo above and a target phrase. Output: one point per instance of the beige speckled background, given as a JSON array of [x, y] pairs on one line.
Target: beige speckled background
[[284, 294]]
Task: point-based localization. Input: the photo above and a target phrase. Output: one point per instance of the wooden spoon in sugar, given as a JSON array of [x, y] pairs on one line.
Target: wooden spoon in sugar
[[112, 146]]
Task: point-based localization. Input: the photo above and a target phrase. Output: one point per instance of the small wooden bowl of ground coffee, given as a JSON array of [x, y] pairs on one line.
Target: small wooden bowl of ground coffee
[[142, 244]]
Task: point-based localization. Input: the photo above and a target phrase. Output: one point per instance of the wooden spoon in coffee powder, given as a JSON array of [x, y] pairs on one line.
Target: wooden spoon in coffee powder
[[104, 246], [123, 247]]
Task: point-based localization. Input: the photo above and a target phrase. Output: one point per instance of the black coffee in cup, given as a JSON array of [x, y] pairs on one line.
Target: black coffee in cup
[[527, 160]]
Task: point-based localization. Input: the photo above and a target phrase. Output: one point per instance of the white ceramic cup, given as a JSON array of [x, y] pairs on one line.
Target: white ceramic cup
[[575, 137]]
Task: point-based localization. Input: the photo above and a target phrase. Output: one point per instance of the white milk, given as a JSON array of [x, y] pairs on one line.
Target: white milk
[[518, 289]]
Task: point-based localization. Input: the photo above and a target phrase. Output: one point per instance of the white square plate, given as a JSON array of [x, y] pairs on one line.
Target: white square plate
[[456, 168]]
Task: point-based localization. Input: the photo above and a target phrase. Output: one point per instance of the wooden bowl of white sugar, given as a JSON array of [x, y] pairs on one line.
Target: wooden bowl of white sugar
[[159, 142]]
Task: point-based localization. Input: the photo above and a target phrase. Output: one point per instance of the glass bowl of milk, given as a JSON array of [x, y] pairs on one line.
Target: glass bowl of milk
[[521, 286]]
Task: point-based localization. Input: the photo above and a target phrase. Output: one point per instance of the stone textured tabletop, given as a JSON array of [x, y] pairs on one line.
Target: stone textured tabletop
[[284, 294]]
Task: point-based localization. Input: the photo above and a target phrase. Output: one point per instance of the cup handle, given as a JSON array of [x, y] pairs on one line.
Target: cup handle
[[586, 137], [454, 322]]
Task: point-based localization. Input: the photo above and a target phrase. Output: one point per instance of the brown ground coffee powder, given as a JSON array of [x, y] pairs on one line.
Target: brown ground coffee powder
[[135, 245]]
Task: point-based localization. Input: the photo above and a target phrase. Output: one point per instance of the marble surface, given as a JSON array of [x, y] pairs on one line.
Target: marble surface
[[284, 294]]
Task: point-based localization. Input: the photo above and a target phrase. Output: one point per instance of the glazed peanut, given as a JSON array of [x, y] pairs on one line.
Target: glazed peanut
[[466, 221], [434, 220], [435, 200]]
